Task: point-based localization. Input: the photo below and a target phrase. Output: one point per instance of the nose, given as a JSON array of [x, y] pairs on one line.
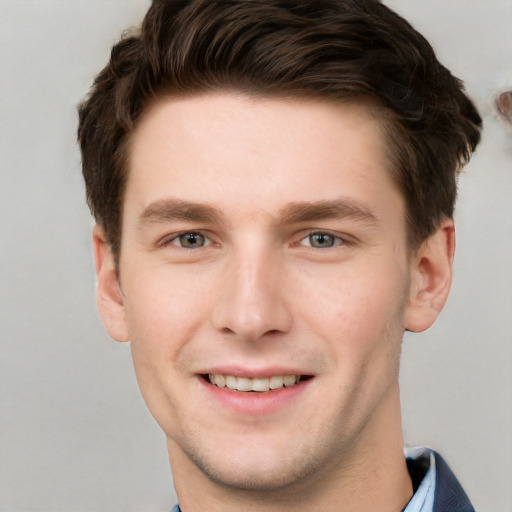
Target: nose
[[252, 299]]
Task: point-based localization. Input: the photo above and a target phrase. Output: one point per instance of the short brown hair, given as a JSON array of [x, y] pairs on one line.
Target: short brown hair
[[345, 50]]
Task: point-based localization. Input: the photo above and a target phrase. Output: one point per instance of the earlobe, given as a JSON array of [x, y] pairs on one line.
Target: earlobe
[[109, 297], [431, 278]]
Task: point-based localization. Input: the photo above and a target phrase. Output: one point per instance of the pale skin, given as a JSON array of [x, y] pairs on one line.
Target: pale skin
[[264, 237]]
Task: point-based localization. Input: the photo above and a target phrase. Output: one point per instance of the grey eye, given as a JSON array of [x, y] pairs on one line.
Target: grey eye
[[322, 240], [191, 240]]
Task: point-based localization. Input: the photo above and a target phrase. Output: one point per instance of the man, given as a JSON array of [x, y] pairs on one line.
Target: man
[[273, 183]]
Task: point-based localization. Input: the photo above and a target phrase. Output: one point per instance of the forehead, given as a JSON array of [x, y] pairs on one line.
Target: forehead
[[256, 154]]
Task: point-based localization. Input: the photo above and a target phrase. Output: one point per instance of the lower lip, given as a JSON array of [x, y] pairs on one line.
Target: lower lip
[[255, 403]]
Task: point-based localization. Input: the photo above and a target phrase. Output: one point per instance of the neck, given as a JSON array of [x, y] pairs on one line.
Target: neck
[[373, 476]]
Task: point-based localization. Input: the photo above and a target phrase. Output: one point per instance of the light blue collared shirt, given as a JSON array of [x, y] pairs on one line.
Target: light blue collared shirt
[[423, 499]]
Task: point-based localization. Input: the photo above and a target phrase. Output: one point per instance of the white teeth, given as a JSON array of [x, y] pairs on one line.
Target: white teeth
[[260, 384], [276, 382], [220, 380], [289, 380], [243, 384], [230, 381]]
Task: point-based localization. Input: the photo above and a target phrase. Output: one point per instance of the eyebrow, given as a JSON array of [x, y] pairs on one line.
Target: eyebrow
[[168, 210], [296, 213]]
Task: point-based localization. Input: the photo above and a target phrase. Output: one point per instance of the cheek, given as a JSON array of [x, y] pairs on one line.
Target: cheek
[[163, 310], [358, 311]]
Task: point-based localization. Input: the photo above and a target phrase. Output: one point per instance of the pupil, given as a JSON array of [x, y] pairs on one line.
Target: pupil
[[322, 240], [191, 240]]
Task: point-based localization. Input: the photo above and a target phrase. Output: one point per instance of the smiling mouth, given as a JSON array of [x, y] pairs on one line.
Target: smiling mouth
[[259, 384]]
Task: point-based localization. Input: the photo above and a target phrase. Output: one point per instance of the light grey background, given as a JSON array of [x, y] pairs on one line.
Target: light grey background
[[74, 433]]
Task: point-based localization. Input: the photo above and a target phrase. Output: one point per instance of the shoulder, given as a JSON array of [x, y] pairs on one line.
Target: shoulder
[[449, 494]]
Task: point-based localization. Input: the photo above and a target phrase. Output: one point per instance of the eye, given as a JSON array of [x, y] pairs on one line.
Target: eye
[[190, 240], [322, 240]]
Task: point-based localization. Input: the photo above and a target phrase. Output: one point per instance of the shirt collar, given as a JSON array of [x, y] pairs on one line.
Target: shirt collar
[[423, 499]]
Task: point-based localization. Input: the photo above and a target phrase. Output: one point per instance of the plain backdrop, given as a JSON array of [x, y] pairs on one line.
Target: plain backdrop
[[74, 433]]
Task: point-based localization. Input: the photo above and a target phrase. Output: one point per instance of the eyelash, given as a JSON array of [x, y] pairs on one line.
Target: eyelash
[[337, 239], [168, 240]]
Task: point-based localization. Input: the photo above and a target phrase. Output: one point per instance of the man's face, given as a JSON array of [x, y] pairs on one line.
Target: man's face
[[264, 243]]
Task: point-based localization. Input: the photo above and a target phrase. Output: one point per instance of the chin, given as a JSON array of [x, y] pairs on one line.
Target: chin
[[252, 479], [259, 471]]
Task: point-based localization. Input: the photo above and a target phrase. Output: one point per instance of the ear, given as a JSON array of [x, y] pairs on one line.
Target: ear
[[431, 278], [109, 297]]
